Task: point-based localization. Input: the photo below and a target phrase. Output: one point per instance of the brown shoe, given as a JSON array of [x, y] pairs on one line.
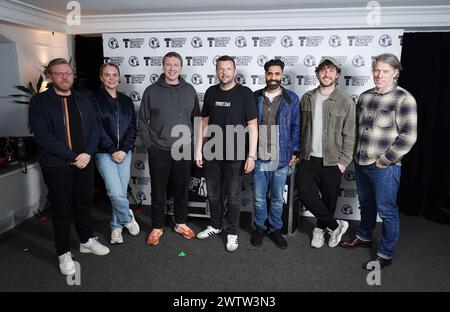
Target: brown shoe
[[356, 242]]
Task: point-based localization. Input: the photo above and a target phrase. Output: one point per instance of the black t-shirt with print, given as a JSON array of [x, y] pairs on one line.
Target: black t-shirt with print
[[233, 107]]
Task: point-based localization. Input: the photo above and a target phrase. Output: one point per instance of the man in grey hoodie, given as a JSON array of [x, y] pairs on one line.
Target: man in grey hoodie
[[168, 103]]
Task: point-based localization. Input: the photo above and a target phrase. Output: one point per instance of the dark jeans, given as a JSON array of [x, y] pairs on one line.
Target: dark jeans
[[70, 190], [162, 170], [313, 177], [223, 180]]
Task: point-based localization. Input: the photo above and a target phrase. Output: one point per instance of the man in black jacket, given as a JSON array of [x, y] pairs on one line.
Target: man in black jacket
[[65, 126]]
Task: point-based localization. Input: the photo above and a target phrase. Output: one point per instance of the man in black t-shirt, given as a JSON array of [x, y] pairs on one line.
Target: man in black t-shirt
[[228, 108]]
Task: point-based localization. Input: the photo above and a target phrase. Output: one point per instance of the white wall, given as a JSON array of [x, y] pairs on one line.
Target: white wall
[[34, 48]]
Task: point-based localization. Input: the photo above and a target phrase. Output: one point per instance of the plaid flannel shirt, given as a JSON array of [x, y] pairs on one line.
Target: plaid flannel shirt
[[387, 126]]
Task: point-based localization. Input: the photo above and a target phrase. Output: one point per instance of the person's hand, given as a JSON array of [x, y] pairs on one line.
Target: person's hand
[[249, 165], [82, 160], [199, 159], [341, 167], [293, 160], [379, 164], [119, 156]]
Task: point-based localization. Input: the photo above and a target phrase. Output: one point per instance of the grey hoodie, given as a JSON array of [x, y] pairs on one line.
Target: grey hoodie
[[164, 106]]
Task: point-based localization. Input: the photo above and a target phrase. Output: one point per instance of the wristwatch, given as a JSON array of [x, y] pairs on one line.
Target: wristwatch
[[251, 157]]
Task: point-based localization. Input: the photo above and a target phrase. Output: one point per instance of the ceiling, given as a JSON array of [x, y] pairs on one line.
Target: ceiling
[[111, 7]]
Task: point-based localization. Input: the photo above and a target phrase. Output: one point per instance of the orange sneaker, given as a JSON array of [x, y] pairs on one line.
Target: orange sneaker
[[153, 237], [184, 230]]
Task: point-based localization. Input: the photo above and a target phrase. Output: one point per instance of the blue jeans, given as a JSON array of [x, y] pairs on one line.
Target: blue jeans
[[116, 177], [377, 192], [262, 180]]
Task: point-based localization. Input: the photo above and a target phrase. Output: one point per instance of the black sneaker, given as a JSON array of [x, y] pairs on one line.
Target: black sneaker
[[278, 239], [257, 237]]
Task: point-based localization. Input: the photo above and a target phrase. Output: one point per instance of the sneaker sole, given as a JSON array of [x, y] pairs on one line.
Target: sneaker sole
[[339, 238], [114, 242], [72, 272], [85, 250]]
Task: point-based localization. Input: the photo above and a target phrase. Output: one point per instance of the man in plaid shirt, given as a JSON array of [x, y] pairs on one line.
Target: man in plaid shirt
[[387, 130]]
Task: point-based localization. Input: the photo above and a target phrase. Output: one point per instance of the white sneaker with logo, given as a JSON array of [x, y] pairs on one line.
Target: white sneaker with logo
[[336, 235], [116, 236], [232, 242], [66, 264], [209, 231], [93, 246], [318, 238], [133, 226]]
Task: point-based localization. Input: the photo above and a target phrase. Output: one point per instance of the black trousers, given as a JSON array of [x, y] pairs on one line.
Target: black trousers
[[71, 191], [164, 169], [223, 180], [318, 188]]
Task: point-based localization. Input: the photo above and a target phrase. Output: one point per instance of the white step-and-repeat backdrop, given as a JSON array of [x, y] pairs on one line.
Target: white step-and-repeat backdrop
[[140, 55]]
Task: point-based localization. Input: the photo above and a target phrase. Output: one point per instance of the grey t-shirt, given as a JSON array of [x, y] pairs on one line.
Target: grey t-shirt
[[316, 146]]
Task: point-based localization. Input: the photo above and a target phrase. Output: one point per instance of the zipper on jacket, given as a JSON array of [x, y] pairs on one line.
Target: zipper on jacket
[[118, 123]]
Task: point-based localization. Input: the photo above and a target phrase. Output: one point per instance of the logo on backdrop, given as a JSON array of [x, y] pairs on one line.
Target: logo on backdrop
[[243, 60], [286, 80], [133, 61], [264, 41], [359, 41], [175, 42], [356, 81], [335, 41], [262, 59], [135, 96], [400, 37], [154, 78], [347, 209], [113, 43], [240, 79], [141, 196], [140, 180], [218, 42], [385, 41], [153, 60], [135, 79], [241, 42], [358, 61], [309, 61], [196, 79], [200, 96], [286, 41], [258, 79], [212, 79], [133, 42], [196, 60], [153, 42], [118, 60], [307, 80], [139, 165], [355, 98], [310, 41], [140, 149], [288, 60], [196, 42], [215, 58]]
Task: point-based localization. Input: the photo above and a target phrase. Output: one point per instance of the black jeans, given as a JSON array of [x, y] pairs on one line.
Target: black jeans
[[70, 190], [223, 180], [163, 168], [313, 177]]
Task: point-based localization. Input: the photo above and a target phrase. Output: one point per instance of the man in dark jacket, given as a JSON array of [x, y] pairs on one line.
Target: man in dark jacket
[[65, 126], [169, 103], [278, 148]]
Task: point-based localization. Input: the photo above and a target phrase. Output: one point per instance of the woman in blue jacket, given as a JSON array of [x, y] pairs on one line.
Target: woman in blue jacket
[[113, 159]]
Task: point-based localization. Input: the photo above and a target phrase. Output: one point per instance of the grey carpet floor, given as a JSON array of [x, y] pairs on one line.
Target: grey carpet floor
[[28, 261]]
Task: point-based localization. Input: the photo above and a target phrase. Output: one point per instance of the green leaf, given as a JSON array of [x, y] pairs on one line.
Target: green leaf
[[30, 86], [39, 83], [21, 102], [17, 95], [24, 89]]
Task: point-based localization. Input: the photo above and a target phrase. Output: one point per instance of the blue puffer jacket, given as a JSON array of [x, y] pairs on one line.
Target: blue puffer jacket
[[288, 118], [48, 125], [116, 134]]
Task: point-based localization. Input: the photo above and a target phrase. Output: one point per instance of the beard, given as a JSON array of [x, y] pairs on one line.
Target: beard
[[62, 86], [273, 84]]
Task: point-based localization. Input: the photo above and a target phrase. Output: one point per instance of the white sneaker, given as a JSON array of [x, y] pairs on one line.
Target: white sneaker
[[93, 246], [133, 226], [66, 264], [232, 242], [116, 236], [318, 238], [209, 231], [336, 235]]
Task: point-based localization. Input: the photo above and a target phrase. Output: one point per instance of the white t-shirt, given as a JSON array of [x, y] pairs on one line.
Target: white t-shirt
[[316, 146]]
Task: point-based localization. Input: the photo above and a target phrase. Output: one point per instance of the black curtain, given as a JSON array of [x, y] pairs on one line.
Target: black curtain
[[88, 58], [424, 187]]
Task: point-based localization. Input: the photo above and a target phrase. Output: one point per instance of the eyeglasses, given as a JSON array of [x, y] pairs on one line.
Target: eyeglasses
[[61, 74]]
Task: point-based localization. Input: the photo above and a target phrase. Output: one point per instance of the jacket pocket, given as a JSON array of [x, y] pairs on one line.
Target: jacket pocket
[[384, 118]]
